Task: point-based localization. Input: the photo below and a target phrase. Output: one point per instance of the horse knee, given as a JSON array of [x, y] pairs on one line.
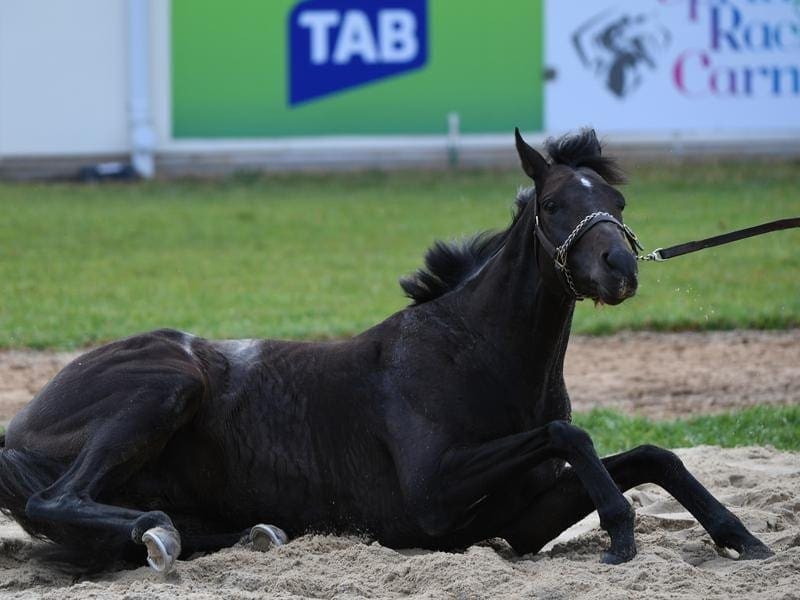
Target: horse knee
[[564, 436], [666, 463]]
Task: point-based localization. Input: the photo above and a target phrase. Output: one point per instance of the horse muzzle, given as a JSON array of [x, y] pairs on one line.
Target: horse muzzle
[[618, 278], [559, 254]]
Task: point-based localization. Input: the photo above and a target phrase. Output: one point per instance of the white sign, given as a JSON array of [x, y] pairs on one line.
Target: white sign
[[656, 65]]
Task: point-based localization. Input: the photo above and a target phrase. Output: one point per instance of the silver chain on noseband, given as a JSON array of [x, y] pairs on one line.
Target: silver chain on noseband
[[561, 251], [560, 257], [571, 285]]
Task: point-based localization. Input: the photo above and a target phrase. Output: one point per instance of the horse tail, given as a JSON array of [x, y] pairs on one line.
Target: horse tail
[[22, 474]]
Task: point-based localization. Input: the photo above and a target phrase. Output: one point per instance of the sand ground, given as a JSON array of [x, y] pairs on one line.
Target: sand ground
[[676, 559], [659, 375]]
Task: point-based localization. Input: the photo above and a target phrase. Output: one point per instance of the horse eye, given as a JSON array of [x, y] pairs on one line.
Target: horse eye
[[549, 206]]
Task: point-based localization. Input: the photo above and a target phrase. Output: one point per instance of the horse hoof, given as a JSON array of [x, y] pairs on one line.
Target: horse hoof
[[617, 558], [265, 537], [756, 552], [163, 548], [609, 558]]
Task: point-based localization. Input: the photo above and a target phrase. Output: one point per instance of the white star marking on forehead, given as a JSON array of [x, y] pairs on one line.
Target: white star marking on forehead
[[586, 183]]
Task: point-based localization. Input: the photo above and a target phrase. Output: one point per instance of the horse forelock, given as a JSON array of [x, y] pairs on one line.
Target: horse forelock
[[584, 150]]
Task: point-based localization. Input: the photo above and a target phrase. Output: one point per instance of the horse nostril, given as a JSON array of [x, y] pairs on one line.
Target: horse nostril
[[620, 261]]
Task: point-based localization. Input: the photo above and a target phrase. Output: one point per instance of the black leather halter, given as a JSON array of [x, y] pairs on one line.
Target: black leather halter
[[559, 254]]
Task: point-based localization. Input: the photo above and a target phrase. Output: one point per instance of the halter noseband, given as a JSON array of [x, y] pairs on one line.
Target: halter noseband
[[559, 253]]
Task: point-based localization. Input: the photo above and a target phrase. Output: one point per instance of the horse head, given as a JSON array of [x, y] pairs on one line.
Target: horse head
[[577, 219]]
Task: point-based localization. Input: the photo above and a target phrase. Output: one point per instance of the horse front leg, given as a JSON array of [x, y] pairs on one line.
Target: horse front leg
[[466, 476], [567, 502]]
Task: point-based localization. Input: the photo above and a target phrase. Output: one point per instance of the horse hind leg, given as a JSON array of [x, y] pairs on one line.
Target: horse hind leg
[[262, 536], [97, 534], [23, 476], [265, 536], [115, 451]]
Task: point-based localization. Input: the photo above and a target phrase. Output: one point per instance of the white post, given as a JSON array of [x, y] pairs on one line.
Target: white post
[[140, 118], [453, 137]]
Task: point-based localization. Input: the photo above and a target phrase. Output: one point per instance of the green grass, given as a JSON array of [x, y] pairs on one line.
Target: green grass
[[319, 256], [613, 431]]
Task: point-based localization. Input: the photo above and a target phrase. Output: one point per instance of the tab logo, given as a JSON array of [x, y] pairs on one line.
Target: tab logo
[[339, 44]]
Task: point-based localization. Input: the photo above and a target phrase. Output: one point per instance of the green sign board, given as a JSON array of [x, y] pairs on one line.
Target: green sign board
[[267, 68]]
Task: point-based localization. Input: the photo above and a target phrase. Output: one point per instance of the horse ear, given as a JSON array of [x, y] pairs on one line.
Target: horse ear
[[533, 163]]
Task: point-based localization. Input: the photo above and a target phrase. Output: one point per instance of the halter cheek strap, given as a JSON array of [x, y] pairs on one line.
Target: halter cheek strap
[[560, 253]]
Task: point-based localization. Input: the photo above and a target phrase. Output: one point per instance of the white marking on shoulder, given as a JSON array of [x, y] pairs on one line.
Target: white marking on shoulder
[[186, 343], [241, 349], [586, 183]]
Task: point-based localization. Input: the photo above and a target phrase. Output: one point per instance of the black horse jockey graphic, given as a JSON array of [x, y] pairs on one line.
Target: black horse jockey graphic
[[618, 47]]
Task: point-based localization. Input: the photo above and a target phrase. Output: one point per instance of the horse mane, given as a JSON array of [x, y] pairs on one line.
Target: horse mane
[[449, 264]]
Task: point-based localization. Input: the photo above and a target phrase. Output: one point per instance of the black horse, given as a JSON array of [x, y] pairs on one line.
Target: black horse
[[446, 424]]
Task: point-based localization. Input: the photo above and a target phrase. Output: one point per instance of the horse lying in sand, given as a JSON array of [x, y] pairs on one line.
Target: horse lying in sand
[[446, 424]]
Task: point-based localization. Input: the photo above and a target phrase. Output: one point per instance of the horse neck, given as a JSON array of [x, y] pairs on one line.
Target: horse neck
[[519, 313]]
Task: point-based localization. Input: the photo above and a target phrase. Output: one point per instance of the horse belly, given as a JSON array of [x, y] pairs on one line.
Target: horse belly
[[300, 478], [354, 491]]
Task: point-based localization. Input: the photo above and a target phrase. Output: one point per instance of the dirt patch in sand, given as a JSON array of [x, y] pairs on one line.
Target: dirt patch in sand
[[676, 557], [653, 374], [679, 374]]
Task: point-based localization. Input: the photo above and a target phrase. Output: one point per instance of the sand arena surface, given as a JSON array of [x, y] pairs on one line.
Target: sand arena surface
[[676, 557], [659, 375]]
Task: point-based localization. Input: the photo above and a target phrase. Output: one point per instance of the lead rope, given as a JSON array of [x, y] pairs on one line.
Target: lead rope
[[559, 253], [662, 254]]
